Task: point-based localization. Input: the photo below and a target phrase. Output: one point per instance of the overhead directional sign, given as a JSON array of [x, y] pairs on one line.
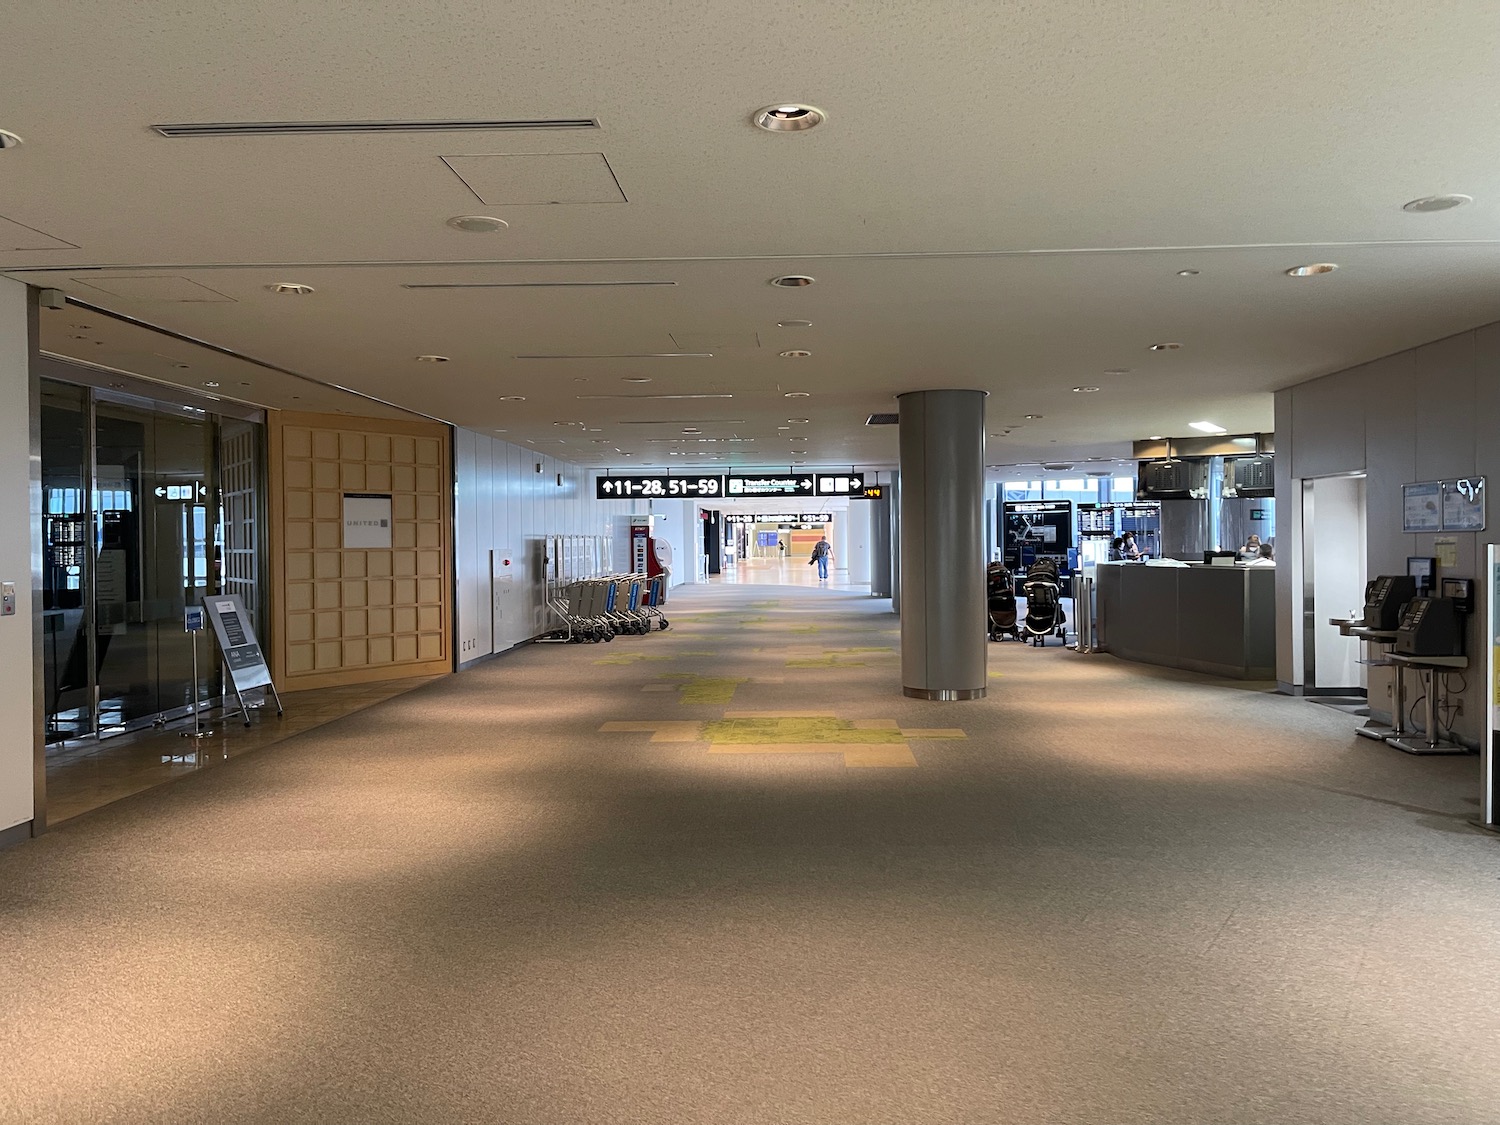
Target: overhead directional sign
[[658, 485], [779, 517], [793, 484], [851, 485]]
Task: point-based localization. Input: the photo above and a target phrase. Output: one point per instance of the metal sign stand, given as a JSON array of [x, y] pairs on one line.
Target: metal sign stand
[[192, 623], [244, 710]]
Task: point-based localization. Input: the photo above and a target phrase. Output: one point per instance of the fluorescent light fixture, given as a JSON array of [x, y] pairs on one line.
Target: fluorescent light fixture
[[598, 397], [627, 355], [1208, 427]]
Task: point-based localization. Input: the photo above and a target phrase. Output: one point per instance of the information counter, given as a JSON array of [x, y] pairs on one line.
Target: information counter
[[1220, 620]]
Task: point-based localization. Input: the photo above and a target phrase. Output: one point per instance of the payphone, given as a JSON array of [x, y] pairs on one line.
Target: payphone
[[1384, 598]]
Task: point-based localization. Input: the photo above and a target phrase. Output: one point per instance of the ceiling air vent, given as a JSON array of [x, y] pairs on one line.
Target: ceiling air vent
[[322, 128], [882, 419]]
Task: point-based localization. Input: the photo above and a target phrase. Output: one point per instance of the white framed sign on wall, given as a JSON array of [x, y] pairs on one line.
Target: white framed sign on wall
[[367, 521], [1422, 506]]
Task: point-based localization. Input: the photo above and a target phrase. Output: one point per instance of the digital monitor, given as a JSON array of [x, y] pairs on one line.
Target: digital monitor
[[1220, 558], [1421, 568]]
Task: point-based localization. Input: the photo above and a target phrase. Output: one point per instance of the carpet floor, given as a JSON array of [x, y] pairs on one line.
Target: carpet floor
[[727, 874]]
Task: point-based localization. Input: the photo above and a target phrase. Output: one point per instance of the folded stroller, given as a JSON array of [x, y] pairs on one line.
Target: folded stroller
[[1000, 598], [1044, 611]]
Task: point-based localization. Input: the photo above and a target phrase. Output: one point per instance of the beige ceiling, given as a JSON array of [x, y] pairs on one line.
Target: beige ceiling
[[1001, 198]]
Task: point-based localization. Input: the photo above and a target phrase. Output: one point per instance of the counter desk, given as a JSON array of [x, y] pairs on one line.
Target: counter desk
[[1220, 620]]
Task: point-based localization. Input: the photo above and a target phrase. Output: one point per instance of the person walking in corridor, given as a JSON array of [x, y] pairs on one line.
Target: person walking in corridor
[[821, 553]]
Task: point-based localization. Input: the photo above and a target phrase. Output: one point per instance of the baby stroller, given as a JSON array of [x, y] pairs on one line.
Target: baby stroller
[[1044, 612], [1000, 597]]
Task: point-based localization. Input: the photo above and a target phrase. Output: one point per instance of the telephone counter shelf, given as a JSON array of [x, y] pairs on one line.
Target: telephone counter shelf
[[1430, 661]]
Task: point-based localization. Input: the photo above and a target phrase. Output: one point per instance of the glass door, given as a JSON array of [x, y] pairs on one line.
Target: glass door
[[155, 529]]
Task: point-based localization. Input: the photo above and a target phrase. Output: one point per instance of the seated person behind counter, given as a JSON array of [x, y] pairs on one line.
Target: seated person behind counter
[[1265, 557], [1250, 552]]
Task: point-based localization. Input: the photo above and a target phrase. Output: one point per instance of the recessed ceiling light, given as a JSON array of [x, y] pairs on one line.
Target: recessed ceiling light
[[1084, 390], [1165, 347], [1187, 273], [796, 394], [1208, 427], [181, 366], [1156, 437], [795, 353], [210, 383], [794, 324], [636, 379], [1437, 203], [290, 288], [71, 337], [797, 452], [244, 384], [799, 421], [788, 118], [792, 280], [512, 398], [1312, 270], [477, 224], [1118, 371], [1031, 417], [432, 359], [692, 430], [8, 139]]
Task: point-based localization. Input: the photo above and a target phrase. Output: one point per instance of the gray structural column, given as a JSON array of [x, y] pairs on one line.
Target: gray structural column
[[943, 633], [895, 514], [880, 547]]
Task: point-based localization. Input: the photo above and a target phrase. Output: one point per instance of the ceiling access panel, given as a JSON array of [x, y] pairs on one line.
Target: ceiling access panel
[[18, 236], [525, 179]]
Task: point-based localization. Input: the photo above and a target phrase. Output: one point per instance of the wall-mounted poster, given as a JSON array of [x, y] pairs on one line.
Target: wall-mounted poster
[[1463, 504], [1422, 506], [367, 521]]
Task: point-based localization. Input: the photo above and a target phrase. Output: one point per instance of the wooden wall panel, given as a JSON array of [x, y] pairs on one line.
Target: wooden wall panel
[[351, 616]]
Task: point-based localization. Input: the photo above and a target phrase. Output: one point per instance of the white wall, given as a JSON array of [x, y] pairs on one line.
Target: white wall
[[505, 509], [17, 706], [856, 553], [1423, 414], [677, 522]]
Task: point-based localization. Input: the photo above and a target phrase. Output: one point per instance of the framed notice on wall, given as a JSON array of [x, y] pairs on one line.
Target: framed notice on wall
[[367, 520], [1422, 506], [1463, 504]]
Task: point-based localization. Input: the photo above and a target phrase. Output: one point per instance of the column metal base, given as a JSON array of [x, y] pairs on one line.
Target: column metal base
[[1376, 731], [943, 694], [1418, 744]]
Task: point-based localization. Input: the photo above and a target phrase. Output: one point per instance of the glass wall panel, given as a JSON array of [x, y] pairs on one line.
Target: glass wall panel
[[65, 558], [135, 528]]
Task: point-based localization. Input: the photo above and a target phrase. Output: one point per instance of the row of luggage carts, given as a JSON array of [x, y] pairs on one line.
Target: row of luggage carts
[[1042, 589], [599, 609]]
